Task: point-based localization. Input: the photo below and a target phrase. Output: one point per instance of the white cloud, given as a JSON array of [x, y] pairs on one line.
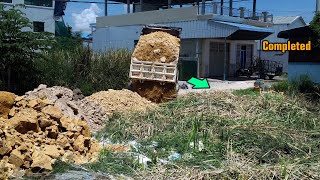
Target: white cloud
[[87, 16]]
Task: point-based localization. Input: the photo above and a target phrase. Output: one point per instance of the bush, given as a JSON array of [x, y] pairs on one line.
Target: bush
[[81, 68], [302, 84]]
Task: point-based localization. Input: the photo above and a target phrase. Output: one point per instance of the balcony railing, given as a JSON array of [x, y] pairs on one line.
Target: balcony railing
[[216, 8]]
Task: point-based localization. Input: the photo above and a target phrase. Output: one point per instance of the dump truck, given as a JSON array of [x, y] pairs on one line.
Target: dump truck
[[154, 63]]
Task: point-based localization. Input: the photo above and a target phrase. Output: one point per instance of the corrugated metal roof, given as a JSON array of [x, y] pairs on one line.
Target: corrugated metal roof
[[284, 19], [246, 27]]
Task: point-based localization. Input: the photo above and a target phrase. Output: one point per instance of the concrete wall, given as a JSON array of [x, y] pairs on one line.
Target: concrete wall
[[37, 13], [297, 69]]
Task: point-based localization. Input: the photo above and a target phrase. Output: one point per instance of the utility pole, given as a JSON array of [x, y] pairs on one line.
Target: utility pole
[[106, 7], [254, 8], [230, 7], [221, 7], [318, 6]]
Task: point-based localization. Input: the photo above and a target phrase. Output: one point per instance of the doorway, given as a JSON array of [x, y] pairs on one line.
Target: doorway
[[216, 59]]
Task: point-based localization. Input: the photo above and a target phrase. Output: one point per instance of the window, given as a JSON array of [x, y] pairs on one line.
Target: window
[[38, 26], [45, 3], [6, 1]]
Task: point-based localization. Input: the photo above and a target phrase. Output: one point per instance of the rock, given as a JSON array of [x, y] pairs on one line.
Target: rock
[[16, 158], [24, 121], [44, 122], [53, 112], [6, 169], [4, 148], [81, 143], [85, 128], [65, 122], [52, 132], [6, 103], [52, 151], [41, 160], [118, 148]]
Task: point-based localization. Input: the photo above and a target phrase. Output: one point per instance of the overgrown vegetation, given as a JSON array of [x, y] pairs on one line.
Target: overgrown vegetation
[[221, 135], [301, 85], [19, 49], [83, 69], [29, 59]]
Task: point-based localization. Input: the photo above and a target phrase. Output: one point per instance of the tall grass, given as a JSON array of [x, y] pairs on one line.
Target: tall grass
[[81, 68], [259, 137], [300, 85]]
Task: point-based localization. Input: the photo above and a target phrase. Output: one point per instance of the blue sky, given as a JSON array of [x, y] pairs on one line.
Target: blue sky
[[80, 15]]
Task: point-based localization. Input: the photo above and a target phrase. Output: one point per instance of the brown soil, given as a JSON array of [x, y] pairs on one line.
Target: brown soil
[[123, 101], [157, 47], [155, 91]]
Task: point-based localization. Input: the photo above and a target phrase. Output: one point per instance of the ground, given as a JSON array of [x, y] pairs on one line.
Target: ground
[[215, 135]]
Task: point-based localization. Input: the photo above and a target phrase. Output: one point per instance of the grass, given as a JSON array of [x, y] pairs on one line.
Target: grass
[[225, 135]]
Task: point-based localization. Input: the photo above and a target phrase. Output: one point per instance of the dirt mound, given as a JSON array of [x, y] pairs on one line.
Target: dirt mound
[[71, 104], [37, 133], [155, 91], [6, 103], [157, 47], [122, 101]]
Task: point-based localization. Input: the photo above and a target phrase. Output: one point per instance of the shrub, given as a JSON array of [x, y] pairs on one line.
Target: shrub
[[81, 68]]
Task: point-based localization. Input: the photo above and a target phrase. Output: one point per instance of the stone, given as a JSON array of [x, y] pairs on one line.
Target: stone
[[6, 103], [4, 148], [95, 147], [65, 122], [52, 132], [44, 122], [41, 160], [85, 128], [52, 151], [25, 120], [33, 103], [16, 158], [6, 169], [81, 143], [53, 112]]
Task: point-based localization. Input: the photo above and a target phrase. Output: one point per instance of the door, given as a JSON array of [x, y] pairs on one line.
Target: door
[[243, 56], [216, 59]]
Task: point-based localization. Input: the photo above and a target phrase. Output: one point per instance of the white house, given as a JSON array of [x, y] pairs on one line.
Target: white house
[[209, 32], [281, 23], [42, 13]]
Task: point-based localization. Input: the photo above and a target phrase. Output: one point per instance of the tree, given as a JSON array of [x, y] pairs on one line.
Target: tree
[[315, 26], [19, 49]]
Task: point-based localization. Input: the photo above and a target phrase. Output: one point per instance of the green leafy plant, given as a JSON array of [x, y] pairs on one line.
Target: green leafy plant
[[19, 49]]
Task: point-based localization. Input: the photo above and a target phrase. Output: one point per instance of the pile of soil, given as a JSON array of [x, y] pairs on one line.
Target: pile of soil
[[157, 47], [37, 132], [155, 91], [72, 104], [122, 101]]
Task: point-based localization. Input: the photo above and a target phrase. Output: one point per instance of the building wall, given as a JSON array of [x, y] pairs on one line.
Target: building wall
[[124, 36], [278, 55], [205, 70], [297, 69], [36, 13]]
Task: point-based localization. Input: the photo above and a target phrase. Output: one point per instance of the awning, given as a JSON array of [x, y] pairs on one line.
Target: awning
[[247, 32], [297, 33]]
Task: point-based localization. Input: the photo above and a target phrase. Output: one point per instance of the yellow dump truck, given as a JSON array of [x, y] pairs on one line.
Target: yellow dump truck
[[154, 63]]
